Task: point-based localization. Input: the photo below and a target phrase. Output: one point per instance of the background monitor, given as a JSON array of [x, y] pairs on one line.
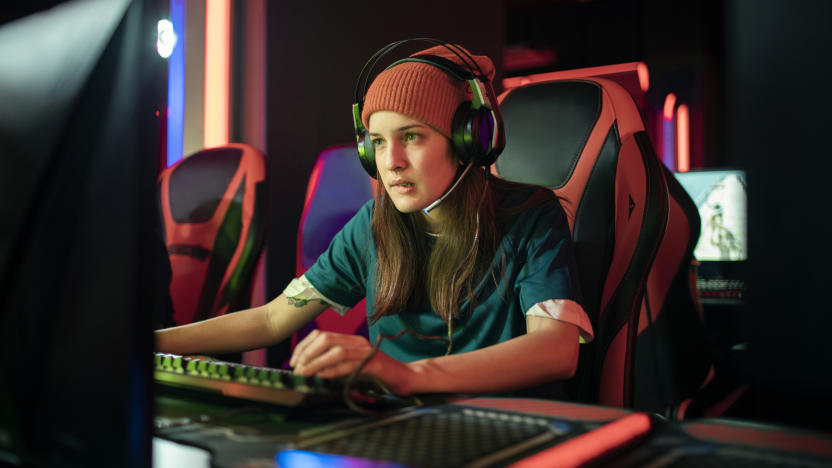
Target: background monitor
[[82, 88], [721, 198]]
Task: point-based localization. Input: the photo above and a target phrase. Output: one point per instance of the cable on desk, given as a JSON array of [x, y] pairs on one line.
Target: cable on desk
[[351, 379]]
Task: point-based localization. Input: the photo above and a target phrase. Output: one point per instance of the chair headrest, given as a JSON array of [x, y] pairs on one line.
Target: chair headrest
[[547, 126], [337, 188], [198, 182]]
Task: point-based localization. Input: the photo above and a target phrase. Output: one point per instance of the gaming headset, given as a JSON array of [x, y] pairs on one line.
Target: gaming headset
[[477, 130]]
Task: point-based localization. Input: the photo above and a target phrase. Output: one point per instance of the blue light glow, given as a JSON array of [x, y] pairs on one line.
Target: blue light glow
[[302, 458], [176, 85]]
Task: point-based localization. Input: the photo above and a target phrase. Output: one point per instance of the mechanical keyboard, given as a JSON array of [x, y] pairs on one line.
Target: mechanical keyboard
[[262, 384]]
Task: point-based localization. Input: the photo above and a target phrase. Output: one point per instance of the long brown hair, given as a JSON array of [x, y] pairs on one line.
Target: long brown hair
[[409, 272]]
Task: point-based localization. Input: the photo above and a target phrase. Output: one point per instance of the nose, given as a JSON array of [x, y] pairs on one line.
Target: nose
[[392, 157]]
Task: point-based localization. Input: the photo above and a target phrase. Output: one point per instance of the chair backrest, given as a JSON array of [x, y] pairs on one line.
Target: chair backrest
[[338, 186], [585, 139], [213, 211], [673, 359]]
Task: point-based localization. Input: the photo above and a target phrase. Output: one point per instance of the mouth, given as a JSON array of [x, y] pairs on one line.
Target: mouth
[[401, 182], [402, 186]]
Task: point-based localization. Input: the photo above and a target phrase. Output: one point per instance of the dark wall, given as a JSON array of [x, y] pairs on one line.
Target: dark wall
[[778, 66], [315, 52], [681, 43]]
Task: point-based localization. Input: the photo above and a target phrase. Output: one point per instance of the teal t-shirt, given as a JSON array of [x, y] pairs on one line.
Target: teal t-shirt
[[539, 265]]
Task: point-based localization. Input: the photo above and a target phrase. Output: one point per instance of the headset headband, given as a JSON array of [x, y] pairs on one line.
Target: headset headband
[[362, 83]]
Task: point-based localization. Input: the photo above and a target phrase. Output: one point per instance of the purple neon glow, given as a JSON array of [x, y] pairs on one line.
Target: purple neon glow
[[669, 144], [176, 84]]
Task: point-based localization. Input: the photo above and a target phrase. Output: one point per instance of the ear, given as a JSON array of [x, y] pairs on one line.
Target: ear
[[452, 153]]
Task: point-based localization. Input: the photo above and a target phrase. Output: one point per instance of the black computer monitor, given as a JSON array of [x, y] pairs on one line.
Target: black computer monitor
[[721, 198], [82, 90]]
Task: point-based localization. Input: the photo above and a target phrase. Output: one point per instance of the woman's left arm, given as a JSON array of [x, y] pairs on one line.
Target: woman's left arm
[[547, 352]]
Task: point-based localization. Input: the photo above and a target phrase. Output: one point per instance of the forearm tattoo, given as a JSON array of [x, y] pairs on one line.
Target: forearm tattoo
[[300, 302]]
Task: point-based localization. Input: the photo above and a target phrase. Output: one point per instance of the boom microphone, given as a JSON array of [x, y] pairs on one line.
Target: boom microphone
[[437, 202]]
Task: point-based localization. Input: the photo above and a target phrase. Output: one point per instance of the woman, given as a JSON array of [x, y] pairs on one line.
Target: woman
[[444, 249]]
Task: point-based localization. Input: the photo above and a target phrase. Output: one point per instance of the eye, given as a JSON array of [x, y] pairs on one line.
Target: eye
[[411, 137], [377, 141]]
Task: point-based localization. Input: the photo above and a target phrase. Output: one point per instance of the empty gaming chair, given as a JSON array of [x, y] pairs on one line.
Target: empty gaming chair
[[586, 141], [337, 188], [213, 212]]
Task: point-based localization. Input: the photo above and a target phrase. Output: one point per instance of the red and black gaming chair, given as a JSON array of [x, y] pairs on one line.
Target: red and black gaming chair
[[213, 211], [337, 188], [585, 139]]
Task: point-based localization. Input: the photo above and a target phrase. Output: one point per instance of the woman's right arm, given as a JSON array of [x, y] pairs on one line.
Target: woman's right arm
[[240, 331]]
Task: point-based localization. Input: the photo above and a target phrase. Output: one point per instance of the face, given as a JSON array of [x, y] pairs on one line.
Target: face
[[414, 161]]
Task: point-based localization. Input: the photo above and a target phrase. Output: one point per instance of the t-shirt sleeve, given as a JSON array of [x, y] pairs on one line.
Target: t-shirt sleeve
[[548, 270], [340, 273], [567, 311]]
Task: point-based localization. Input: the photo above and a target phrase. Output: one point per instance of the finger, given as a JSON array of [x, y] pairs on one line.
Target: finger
[[321, 343], [328, 357], [342, 369], [302, 345], [337, 355], [315, 343], [379, 366]]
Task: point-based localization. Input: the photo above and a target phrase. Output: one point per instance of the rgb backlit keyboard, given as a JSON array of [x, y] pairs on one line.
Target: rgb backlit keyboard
[[263, 384]]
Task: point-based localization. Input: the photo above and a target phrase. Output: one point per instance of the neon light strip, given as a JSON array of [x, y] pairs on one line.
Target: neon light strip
[[682, 138], [668, 132], [589, 447], [643, 76], [176, 84], [668, 144], [669, 106], [217, 36]]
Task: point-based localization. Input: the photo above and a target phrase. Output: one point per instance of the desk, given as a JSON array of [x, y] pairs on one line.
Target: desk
[[243, 434], [717, 443]]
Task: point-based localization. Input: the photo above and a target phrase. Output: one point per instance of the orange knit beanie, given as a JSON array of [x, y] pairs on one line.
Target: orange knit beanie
[[423, 91]]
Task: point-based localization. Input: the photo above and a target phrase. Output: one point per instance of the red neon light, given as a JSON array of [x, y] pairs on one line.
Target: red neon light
[[669, 106], [217, 37], [682, 138], [643, 76], [590, 446], [518, 57]]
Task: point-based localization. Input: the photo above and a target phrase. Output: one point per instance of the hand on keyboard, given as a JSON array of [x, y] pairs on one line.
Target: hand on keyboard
[[335, 355]]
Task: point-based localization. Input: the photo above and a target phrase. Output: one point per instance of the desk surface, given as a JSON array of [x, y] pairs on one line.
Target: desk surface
[[244, 434]]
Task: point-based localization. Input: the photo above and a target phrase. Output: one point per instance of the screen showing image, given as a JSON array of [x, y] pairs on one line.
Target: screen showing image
[[720, 196]]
